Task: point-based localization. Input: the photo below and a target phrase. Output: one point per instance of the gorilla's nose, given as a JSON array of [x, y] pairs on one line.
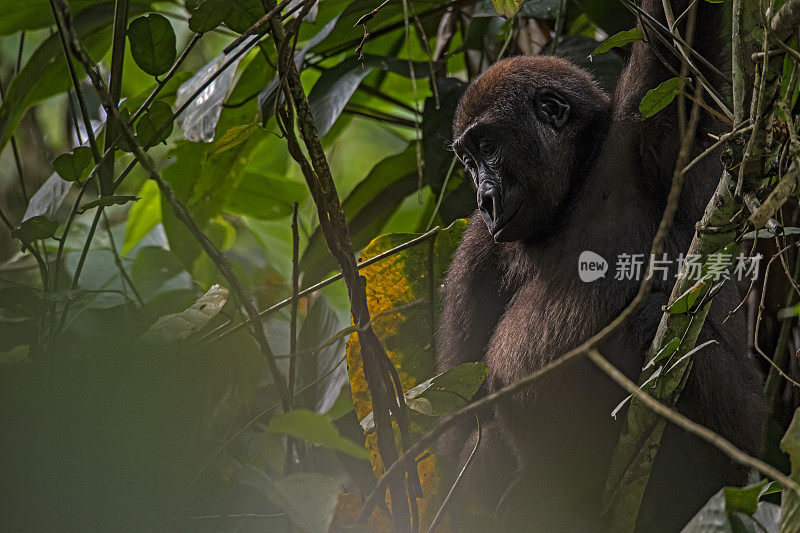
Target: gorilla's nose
[[489, 200]]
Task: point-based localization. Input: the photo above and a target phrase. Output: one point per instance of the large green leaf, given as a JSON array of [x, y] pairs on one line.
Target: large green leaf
[[241, 14], [46, 74], [265, 197], [367, 208]]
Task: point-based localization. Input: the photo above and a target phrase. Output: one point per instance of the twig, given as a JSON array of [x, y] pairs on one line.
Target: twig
[[178, 208], [336, 277], [440, 512], [688, 425], [263, 21]]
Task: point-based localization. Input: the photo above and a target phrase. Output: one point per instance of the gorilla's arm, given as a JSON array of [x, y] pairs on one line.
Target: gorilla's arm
[[658, 137], [473, 298]]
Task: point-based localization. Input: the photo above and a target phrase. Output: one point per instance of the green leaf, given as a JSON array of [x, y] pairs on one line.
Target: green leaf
[[309, 499], [657, 99], [367, 208], [208, 15], [664, 352], [507, 8], [684, 302], [74, 166], [317, 429], [143, 216], [105, 201], [152, 43], [232, 138], [155, 125], [620, 39], [241, 14], [45, 73], [743, 499], [716, 517], [38, 227], [266, 197], [333, 90]]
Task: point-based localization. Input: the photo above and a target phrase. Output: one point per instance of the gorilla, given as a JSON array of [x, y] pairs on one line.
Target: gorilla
[[561, 167]]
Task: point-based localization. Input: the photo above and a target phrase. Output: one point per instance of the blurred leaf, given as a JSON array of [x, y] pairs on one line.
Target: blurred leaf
[[167, 92], [45, 73], [309, 499], [790, 501], [48, 198], [106, 201], [660, 97], [152, 43], [179, 326], [233, 138], [155, 125], [208, 15], [620, 39], [743, 499], [542, 9], [315, 428], [74, 166], [441, 394], [715, 517], [157, 271], [35, 14], [319, 326], [507, 8], [241, 14], [143, 216], [367, 208], [265, 197], [22, 301], [34, 228], [334, 88]]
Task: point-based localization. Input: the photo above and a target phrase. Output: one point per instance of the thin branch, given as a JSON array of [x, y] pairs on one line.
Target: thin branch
[[688, 425], [178, 208]]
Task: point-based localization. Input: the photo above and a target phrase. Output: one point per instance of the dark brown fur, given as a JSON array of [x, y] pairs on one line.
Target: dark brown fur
[[599, 184]]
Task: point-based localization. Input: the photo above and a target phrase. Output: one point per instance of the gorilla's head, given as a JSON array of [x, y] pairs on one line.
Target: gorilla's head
[[525, 131]]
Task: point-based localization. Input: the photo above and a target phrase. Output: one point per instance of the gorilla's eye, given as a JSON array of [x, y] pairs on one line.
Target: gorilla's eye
[[486, 147]]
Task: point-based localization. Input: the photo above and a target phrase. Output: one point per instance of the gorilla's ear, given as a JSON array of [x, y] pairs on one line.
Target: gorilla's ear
[[552, 108]]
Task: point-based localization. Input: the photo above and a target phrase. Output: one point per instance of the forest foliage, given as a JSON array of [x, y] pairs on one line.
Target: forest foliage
[[177, 347]]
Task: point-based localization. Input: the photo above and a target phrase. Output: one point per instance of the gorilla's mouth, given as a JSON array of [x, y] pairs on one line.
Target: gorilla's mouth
[[497, 227]]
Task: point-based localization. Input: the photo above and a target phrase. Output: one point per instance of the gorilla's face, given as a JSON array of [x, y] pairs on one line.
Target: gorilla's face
[[520, 164]]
